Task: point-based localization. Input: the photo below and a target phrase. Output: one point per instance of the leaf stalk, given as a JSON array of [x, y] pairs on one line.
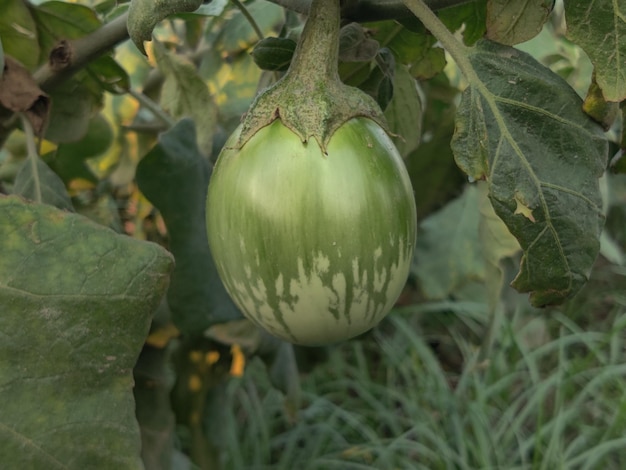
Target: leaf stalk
[[33, 155]]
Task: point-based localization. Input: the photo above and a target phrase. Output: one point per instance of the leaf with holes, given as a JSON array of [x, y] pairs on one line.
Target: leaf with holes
[[521, 127]]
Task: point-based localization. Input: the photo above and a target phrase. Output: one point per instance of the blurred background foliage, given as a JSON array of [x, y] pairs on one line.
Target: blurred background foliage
[[463, 374]]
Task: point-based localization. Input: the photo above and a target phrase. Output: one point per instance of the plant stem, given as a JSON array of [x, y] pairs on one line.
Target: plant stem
[[318, 48], [153, 107], [457, 50], [84, 50], [250, 18], [33, 156]]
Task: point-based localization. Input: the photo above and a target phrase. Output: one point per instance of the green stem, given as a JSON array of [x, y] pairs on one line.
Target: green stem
[[153, 107], [318, 49], [250, 18], [457, 50], [33, 156]]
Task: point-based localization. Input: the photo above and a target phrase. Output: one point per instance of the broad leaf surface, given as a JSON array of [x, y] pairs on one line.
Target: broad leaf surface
[[599, 27], [514, 22], [237, 35], [185, 94], [144, 15], [18, 33], [471, 16], [404, 113], [76, 302], [521, 128], [447, 252], [174, 177], [38, 182], [435, 176], [413, 46], [61, 20], [73, 106], [69, 159], [153, 383]]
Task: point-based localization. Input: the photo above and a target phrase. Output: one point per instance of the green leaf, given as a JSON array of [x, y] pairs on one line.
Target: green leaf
[[153, 384], [237, 34], [39, 183], [472, 16], [379, 83], [211, 8], [514, 22], [18, 33], [174, 177], [355, 45], [407, 46], [69, 159], [76, 302], [184, 94], [496, 244], [447, 252], [144, 15], [274, 54], [602, 111], [283, 372], [235, 93], [72, 108], [108, 74], [61, 20], [435, 176], [404, 113], [599, 27], [521, 127]]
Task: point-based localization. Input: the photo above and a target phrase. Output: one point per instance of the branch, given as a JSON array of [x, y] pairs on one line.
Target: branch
[[378, 10], [70, 56]]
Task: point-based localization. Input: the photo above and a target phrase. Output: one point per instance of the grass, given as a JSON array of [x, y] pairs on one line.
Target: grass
[[414, 395]]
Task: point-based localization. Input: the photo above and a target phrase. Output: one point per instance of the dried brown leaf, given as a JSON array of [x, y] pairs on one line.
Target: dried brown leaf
[[20, 93]]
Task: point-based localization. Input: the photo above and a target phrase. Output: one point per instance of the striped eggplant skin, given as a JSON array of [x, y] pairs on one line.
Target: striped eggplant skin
[[313, 247]]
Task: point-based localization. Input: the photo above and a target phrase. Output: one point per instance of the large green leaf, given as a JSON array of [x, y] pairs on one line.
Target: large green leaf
[[471, 16], [447, 252], [435, 176], [72, 107], [599, 27], [404, 113], [185, 94], [18, 33], [61, 20], [37, 182], [174, 177], [237, 34], [76, 301], [514, 22], [521, 128], [69, 159], [411, 45], [153, 383]]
